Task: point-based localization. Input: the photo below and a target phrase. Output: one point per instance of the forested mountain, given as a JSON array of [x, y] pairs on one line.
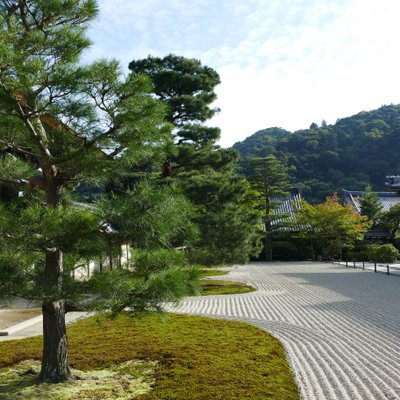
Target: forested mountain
[[352, 153]]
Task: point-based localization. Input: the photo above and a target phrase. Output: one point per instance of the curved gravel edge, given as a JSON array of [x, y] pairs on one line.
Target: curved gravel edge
[[340, 327]]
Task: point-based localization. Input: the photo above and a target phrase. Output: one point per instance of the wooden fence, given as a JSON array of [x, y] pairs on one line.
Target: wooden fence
[[388, 269]]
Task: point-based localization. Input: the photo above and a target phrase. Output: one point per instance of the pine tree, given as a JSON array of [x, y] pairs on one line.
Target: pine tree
[[205, 172], [370, 205], [226, 216], [62, 123], [186, 87], [269, 177]]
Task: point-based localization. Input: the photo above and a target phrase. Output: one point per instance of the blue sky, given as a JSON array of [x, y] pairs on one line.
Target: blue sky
[[283, 63]]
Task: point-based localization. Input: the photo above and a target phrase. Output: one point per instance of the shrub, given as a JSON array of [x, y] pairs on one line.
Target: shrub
[[385, 253]]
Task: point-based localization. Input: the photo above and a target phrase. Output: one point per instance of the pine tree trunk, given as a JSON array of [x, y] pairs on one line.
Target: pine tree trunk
[[268, 229], [268, 247], [55, 345]]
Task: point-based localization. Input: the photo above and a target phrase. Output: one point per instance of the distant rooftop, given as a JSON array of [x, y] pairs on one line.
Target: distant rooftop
[[387, 199], [288, 208]]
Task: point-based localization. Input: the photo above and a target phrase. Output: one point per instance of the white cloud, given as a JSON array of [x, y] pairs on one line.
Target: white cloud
[[283, 63]]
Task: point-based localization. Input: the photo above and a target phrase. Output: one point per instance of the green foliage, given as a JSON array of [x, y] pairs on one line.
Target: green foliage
[[370, 205], [156, 281], [211, 369], [63, 123], [287, 246], [268, 177], [385, 253], [331, 226], [184, 84], [351, 153], [150, 214], [204, 171], [390, 220], [226, 217]]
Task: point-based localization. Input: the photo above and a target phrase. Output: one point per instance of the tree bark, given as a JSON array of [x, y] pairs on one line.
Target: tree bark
[[268, 247], [268, 230], [55, 344]]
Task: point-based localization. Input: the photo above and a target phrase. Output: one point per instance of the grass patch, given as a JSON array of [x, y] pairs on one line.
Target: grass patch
[[12, 317], [197, 358], [213, 287], [213, 272]]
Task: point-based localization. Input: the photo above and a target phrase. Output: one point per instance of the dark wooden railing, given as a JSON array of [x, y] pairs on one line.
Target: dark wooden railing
[[382, 268]]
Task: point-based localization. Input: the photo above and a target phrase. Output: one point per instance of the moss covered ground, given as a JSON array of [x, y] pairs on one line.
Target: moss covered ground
[[214, 287], [213, 272], [194, 358]]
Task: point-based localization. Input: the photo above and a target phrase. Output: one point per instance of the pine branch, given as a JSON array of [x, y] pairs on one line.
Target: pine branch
[[17, 182]]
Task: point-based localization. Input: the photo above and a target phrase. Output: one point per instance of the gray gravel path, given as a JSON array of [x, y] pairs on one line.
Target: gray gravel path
[[340, 327]]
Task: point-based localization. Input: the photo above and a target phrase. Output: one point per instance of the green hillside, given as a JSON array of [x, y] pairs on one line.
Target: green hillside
[[352, 153]]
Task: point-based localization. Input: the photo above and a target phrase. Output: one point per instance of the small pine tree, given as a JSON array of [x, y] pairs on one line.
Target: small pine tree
[[370, 205], [269, 178]]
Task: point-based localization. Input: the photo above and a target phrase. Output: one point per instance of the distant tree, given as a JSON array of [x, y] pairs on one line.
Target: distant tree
[[370, 205], [390, 220], [204, 171], [342, 147], [331, 226], [187, 89], [269, 178], [226, 215], [62, 123]]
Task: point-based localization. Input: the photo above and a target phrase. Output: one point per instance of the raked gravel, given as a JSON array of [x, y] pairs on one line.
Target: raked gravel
[[340, 327]]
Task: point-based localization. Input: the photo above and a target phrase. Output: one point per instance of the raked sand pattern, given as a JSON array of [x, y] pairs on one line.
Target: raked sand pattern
[[340, 327]]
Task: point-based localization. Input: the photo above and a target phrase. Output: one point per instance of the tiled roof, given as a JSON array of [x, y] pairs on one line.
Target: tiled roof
[[387, 199], [288, 208]]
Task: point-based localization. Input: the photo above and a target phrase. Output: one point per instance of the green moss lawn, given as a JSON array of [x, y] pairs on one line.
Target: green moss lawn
[[212, 287], [194, 357]]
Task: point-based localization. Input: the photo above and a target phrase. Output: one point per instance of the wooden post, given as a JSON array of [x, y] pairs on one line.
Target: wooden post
[[363, 265], [374, 267], [387, 266]]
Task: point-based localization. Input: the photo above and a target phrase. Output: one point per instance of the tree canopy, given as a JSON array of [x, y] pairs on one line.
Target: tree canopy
[[63, 123], [370, 205], [203, 170], [331, 226], [269, 178], [186, 86]]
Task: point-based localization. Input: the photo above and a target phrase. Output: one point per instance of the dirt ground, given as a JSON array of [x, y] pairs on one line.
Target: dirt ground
[[12, 317]]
